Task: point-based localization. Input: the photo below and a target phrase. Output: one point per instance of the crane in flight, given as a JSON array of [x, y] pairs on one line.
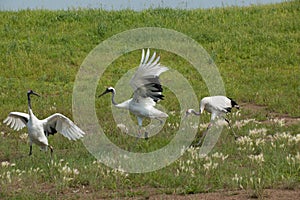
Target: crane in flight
[[147, 91], [218, 106], [39, 130]]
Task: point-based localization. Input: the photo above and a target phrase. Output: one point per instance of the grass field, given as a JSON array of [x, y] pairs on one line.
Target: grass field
[[256, 50]]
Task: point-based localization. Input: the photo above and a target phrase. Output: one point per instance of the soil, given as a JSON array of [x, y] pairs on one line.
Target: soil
[[288, 120], [235, 195], [268, 194]]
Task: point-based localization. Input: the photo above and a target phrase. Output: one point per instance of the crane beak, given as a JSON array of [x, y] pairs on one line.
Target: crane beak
[[187, 113], [36, 94], [105, 92]]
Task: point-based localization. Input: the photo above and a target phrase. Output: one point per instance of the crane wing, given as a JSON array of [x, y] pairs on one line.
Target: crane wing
[[145, 82], [221, 103], [60, 123], [16, 120]]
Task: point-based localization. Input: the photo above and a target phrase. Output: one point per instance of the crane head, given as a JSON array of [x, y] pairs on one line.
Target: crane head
[[108, 90], [29, 92], [188, 112]]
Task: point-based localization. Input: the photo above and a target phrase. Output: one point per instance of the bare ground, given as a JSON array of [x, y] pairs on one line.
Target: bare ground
[[235, 195], [288, 120], [151, 194]]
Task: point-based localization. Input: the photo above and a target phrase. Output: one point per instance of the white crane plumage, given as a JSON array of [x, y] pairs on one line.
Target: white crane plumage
[[39, 130], [147, 90], [218, 106]]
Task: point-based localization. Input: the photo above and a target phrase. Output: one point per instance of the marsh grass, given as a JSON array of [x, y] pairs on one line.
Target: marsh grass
[[256, 50]]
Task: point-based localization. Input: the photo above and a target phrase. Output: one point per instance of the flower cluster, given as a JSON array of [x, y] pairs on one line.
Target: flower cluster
[[15, 174], [104, 171], [258, 132], [65, 170], [24, 136], [293, 159], [244, 122], [196, 161], [280, 122], [257, 159], [238, 180], [7, 164]]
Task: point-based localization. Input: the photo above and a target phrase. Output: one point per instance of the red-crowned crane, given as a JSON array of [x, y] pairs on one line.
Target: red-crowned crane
[[147, 90], [218, 106], [39, 130]]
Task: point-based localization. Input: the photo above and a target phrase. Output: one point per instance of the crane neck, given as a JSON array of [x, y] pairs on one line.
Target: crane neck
[[195, 112], [113, 98], [29, 105], [29, 101]]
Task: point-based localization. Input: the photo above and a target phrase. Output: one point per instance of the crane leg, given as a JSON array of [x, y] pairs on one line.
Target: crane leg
[[146, 135], [235, 136], [51, 151], [138, 136], [30, 150], [140, 123], [204, 134]]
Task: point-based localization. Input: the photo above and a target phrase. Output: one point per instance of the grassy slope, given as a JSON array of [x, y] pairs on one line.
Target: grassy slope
[[255, 48]]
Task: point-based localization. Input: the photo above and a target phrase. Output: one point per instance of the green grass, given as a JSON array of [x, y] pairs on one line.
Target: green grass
[[256, 50]]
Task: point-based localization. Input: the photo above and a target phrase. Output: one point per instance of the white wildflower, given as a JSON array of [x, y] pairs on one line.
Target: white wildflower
[[75, 171], [182, 150], [172, 112], [244, 122], [52, 108], [207, 165], [241, 148], [257, 158], [8, 177], [294, 139], [279, 121], [237, 113], [219, 156], [204, 125], [5, 163], [244, 140], [273, 144], [123, 128], [238, 180], [259, 141], [258, 132], [188, 162], [210, 165], [282, 136], [202, 155], [67, 179], [24, 136]]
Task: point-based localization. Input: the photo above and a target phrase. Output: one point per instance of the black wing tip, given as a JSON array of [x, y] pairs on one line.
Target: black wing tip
[[158, 97], [25, 119], [155, 90], [234, 104], [52, 130], [228, 109]]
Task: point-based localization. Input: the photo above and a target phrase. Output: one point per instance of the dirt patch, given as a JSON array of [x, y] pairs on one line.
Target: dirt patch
[[273, 117], [269, 194], [273, 194]]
